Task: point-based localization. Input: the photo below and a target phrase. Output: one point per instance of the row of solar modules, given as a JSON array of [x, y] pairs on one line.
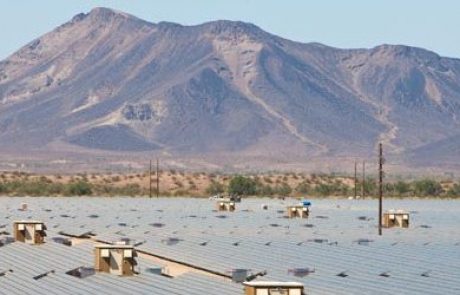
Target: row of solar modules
[[366, 263], [409, 268], [418, 260], [42, 270], [143, 221]]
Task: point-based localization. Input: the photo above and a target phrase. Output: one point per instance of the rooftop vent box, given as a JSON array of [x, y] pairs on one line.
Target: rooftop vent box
[[161, 271], [115, 259], [298, 211], [29, 231], [81, 272], [239, 275], [23, 207], [225, 205], [395, 218], [273, 288]]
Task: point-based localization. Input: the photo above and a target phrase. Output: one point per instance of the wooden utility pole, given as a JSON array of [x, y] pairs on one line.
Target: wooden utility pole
[[150, 179], [356, 180], [364, 180], [380, 186], [158, 179]]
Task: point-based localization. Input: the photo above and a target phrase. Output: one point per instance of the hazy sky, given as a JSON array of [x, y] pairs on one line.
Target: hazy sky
[[348, 23]]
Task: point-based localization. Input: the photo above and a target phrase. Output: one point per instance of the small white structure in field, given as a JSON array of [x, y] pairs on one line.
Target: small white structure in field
[[299, 211], [29, 231], [395, 218], [115, 259], [273, 288], [225, 205]]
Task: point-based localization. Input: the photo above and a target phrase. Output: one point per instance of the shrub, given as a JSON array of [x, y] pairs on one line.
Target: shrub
[[179, 184], [427, 187], [454, 191], [323, 189], [3, 188], [80, 188], [370, 187], [55, 189], [180, 193], [45, 179], [402, 188], [268, 179], [303, 188], [389, 188], [329, 189], [215, 188], [283, 190], [32, 188], [264, 190], [132, 189], [241, 185]]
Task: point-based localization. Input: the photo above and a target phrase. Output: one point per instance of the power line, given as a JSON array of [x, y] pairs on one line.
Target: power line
[[356, 180], [150, 179], [158, 179], [381, 160], [364, 179]]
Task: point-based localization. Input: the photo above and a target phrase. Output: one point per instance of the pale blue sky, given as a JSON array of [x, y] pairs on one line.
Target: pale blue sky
[[348, 23]]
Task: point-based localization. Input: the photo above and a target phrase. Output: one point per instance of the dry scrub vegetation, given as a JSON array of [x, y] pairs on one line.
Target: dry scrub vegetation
[[176, 183]]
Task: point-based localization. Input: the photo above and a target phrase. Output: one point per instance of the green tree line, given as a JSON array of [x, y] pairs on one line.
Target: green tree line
[[41, 187], [238, 185], [247, 186]]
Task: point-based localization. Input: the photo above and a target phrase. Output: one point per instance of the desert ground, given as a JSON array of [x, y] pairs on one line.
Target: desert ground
[[203, 184]]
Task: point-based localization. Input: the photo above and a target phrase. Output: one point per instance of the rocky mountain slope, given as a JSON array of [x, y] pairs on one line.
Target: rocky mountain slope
[[109, 82]]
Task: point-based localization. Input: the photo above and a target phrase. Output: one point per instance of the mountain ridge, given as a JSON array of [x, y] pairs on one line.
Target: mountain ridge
[[109, 81]]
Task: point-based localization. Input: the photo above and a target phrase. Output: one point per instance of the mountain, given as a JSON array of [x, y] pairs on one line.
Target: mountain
[[108, 83]]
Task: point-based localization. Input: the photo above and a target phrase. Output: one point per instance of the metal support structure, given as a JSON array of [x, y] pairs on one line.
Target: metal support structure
[[150, 179], [158, 179], [381, 160], [356, 179], [363, 191]]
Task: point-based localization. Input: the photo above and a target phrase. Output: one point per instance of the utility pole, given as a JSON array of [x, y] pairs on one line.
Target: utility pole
[[356, 180], [150, 179], [381, 160], [158, 179], [364, 180]]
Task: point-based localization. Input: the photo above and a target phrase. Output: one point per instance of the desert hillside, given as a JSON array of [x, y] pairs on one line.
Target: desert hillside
[[224, 94]]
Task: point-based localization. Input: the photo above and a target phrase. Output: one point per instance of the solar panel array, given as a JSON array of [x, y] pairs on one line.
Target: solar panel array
[[334, 251]]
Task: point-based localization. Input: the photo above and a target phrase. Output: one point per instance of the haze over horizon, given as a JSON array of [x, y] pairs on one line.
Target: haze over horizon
[[345, 25]]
